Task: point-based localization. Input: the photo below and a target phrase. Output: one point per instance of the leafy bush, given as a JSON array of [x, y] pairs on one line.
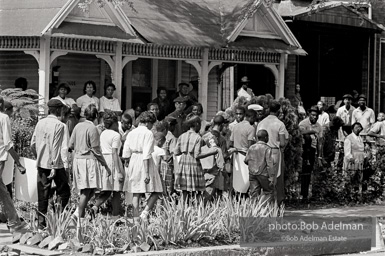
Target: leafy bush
[[333, 185]]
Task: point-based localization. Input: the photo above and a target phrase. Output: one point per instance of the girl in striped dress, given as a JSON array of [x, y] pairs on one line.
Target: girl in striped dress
[[189, 176]]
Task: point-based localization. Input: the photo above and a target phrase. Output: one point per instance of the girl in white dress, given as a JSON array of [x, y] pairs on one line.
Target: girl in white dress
[[141, 175], [110, 144], [108, 102]]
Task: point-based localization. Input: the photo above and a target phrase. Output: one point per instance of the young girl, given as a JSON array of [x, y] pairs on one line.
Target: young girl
[[88, 158], [189, 176], [159, 156], [110, 143], [141, 175], [197, 109]]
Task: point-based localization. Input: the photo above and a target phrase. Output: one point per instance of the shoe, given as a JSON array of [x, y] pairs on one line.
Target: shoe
[[23, 227]]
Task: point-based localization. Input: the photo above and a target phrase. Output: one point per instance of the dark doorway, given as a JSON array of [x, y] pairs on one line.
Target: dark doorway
[[334, 65], [262, 80]]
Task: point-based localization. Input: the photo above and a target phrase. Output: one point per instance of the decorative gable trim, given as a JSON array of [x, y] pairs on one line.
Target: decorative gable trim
[[115, 15], [274, 28]]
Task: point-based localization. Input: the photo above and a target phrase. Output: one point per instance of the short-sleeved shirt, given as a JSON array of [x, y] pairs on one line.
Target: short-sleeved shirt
[[346, 115], [189, 143], [85, 138], [259, 159], [110, 104], [274, 128], [109, 139], [242, 133], [84, 101], [140, 140], [5, 136], [365, 118], [306, 125]]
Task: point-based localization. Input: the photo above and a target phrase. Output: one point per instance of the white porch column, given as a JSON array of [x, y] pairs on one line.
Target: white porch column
[[117, 74], [44, 68], [203, 90], [280, 90]]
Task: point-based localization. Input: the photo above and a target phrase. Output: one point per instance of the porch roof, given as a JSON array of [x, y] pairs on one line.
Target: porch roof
[[332, 12], [200, 23], [27, 18]]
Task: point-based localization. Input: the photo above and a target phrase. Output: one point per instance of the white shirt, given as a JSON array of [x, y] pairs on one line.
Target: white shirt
[[67, 101], [6, 136], [346, 115], [274, 128], [109, 139], [323, 119], [158, 152], [84, 101], [366, 118], [111, 104]]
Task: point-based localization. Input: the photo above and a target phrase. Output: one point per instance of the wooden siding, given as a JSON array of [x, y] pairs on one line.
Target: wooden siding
[[76, 69], [18, 64], [189, 71]]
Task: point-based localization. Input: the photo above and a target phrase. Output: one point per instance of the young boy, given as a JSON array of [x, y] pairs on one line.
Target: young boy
[[378, 130], [211, 165], [260, 162], [158, 156]]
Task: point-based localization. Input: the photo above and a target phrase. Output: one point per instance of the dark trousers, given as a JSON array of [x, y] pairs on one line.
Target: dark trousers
[[44, 190], [258, 184], [308, 157]]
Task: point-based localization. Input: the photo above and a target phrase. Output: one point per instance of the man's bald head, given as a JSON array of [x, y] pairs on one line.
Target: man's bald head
[[262, 135]]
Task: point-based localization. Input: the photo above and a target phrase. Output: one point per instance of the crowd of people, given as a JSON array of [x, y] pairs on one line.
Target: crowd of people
[[101, 151]]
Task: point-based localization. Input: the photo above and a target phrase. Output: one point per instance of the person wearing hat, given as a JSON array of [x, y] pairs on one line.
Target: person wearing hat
[[345, 113], [6, 148], [245, 86], [259, 110], [183, 92], [179, 114], [312, 133], [50, 146], [363, 114], [63, 90]]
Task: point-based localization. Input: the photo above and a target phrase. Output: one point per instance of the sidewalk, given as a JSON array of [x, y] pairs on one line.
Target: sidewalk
[[364, 211]]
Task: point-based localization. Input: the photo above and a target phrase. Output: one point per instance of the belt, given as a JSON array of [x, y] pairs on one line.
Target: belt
[[137, 152]]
